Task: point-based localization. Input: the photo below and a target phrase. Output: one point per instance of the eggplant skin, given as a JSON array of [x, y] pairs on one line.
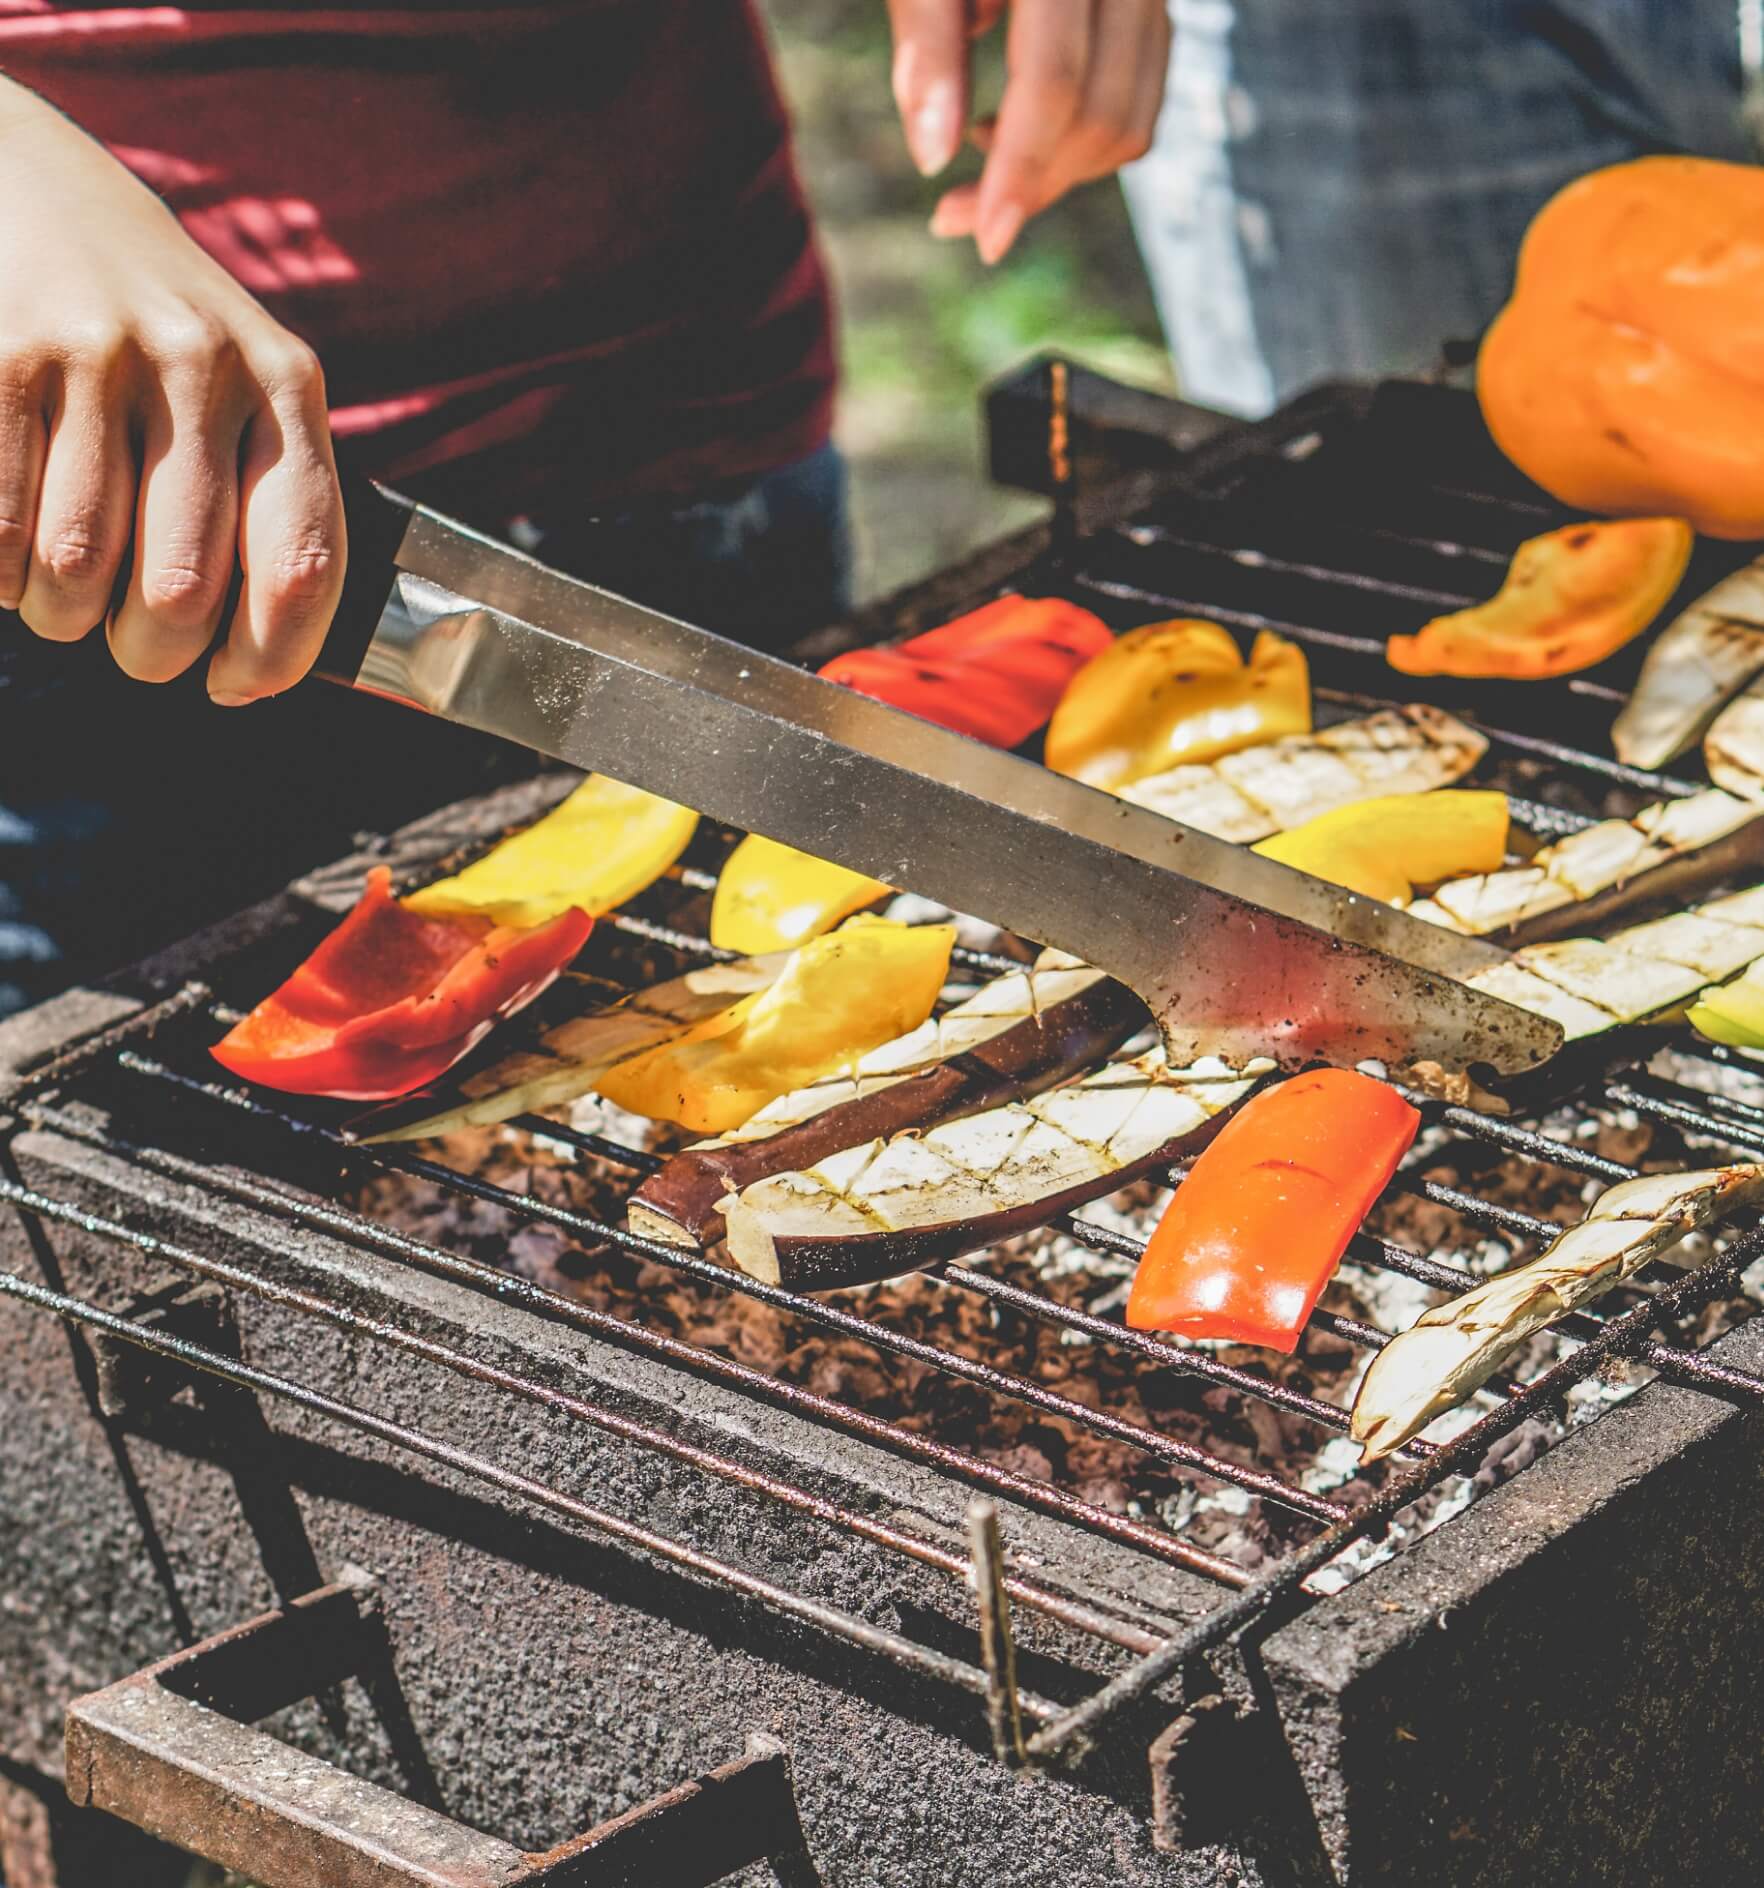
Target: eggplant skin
[[681, 1203]]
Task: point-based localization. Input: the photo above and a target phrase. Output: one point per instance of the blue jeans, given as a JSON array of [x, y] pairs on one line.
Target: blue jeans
[[1340, 186], [129, 814]]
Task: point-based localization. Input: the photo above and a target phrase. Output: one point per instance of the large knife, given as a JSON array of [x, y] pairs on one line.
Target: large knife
[[1233, 954]]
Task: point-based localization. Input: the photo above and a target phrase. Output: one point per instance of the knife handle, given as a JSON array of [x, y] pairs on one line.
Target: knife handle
[[377, 520]]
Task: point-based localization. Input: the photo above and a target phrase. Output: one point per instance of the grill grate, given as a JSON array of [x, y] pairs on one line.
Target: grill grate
[[1279, 539]]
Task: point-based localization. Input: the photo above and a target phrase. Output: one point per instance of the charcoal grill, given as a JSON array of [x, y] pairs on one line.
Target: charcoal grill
[[346, 1544]]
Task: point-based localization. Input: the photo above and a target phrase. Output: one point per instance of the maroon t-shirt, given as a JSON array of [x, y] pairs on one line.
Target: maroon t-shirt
[[546, 252]]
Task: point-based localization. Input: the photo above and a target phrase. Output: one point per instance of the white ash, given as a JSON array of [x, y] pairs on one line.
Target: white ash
[[974, 934], [591, 1114]]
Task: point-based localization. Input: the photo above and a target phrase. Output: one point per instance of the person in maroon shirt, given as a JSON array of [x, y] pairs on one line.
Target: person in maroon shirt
[[546, 266]]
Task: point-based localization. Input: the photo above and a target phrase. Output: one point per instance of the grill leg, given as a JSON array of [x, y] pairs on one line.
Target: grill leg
[[46, 1843]]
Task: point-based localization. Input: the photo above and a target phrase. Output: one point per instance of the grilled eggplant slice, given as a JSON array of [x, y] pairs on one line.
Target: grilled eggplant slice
[[1281, 784], [1020, 1034], [1646, 972], [1698, 661], [1454, 1349], [1733, 749], [892, 1206], [1666, 850]]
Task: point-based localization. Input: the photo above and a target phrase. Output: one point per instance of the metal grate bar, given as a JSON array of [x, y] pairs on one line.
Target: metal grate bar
[[1621, 1336], [832, 1317], [858, 1632], [560, 1402], [507, 1288], [1254, 558]]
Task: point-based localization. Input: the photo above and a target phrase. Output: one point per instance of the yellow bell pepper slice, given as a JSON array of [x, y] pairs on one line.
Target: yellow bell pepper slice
[[836, 999], [1733, 1013], [1173, 694], [1384, 848], [595, 850], [772, 898]]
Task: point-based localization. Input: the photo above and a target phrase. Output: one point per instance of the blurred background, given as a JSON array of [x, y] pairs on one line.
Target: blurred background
[[924, 325]]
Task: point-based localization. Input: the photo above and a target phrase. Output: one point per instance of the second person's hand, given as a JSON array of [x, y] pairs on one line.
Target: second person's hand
[[1085, 80]]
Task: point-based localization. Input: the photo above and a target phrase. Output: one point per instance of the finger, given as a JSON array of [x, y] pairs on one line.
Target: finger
[[931, 77], [85, 508], [1154, 76], [291, 542], [983, 131], [186, 524], [1048, 56], [1098, 140], [24, 444], [983, 16], [957, 211]]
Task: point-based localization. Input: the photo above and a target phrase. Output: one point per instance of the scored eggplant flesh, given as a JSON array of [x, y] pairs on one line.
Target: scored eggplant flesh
[[1700, 659], [891, 1206], [1644, 973], [1667, 850], [1277, 785], [1733, 749], [1019, 1034]]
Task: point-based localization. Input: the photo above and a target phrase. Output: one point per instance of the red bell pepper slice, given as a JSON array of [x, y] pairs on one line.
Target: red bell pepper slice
[[391, 1000], [1258, 1227], [995, 674]]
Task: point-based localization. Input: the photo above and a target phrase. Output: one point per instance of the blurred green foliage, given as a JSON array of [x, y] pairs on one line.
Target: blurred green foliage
[[923, 325]]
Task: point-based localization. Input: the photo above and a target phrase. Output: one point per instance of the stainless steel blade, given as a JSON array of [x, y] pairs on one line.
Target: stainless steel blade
[[1233, 954]]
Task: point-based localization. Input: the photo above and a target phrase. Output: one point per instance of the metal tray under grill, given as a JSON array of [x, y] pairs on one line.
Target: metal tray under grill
[[809, 1561]]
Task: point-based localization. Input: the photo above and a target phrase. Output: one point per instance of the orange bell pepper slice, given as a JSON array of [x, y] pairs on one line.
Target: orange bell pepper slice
[[1258, 1227], [1571, 598]]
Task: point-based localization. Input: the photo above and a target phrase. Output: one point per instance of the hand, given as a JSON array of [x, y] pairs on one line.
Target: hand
[[1085, 79], [156, 425]]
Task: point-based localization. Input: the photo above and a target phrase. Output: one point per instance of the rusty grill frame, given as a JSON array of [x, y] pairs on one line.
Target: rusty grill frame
[[1022, 1725]]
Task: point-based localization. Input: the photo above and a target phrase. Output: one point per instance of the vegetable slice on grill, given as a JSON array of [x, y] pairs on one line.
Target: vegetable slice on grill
[[1258, 1227], [1571, 598], [994, 674], [1666, 849], [1733, 1013], [1384, 848], [836, 998], [1175, 694], [1015, 1036], [1697, 661], [572, 1056], [593, 851], [1455, 1348], [1272, 788], [772, 898], [891, 1206], [391, 999]]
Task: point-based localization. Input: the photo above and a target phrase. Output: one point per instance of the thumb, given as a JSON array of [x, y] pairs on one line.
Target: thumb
[[931, 77]]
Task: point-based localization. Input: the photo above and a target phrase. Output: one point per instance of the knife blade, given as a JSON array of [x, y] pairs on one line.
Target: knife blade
[[1233, 954]]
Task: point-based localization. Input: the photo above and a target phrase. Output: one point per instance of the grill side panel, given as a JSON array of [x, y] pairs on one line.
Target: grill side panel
[[537, 1680]]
